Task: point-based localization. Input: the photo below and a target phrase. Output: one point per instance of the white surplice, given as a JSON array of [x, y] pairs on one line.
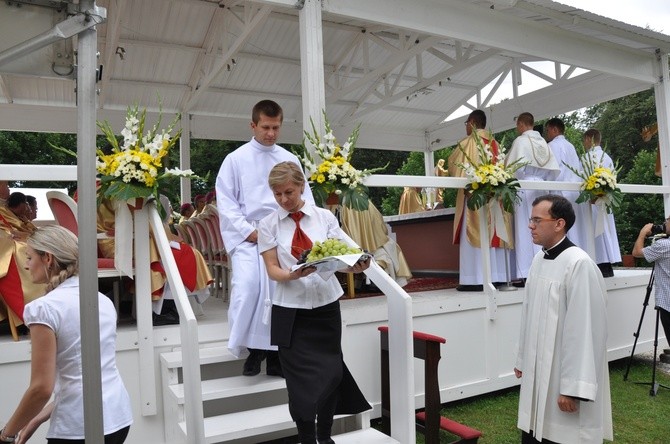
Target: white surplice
[[566, 153], [542, 165], [607, 243], [563, 350], [243, 197]]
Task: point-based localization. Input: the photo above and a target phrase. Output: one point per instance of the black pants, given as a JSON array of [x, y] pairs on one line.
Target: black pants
[[527, 438], [665, 321], [117, 437]]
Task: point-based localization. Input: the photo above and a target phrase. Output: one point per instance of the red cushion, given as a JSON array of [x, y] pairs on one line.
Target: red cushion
[[418, 335], [105, 262], [454, 427]]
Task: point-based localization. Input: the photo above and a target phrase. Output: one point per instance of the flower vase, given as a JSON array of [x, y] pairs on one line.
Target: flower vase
[[333, 199]]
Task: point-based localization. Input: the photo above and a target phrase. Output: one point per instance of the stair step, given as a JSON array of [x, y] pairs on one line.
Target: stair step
[[232, 386], [208, 355], [365, 436], [272, 419], [245, 424]]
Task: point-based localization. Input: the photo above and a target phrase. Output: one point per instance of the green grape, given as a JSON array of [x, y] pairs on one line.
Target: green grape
[[330, 247]]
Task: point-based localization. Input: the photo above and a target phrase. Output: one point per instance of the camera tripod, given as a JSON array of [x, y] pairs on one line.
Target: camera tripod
[[654, 385]]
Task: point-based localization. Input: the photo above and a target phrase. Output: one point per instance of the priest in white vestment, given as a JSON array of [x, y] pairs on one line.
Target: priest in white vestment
[[243, 199], [562, 350], [566, 154], [541, 165], [606, 241]]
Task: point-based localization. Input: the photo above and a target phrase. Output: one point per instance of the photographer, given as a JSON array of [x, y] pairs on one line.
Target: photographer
[[658, 253]]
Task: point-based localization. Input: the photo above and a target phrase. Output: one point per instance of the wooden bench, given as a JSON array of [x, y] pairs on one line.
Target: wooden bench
[[429, 422]]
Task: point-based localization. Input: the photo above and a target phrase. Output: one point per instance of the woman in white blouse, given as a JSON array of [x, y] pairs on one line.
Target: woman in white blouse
[[306, 320], [52, 259]]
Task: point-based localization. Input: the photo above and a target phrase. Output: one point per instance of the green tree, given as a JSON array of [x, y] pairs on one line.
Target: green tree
[[638, 209]]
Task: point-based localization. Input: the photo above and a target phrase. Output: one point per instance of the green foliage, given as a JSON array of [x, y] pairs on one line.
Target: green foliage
[[637, 417], [637, 210], [35, 149]]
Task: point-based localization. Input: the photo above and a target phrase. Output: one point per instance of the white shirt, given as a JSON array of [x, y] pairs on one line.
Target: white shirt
[[59, 310], [659, 253], [276, 231]]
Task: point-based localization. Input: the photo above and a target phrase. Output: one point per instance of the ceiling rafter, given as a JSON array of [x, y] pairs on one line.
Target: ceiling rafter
[[115, 11], [390, 64], [450, 71], [254, 20], [4, 90], [215, 30]]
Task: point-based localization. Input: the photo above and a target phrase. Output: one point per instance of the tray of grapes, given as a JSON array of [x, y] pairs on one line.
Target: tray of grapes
[[335, 263]]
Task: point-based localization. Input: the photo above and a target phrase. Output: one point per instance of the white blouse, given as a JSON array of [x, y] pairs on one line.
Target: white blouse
[[276, 231]]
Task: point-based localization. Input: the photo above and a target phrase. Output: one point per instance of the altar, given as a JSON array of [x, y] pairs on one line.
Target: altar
[[426, 240]]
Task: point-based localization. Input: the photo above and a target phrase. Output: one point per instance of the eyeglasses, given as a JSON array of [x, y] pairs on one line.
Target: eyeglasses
[[537, 220]]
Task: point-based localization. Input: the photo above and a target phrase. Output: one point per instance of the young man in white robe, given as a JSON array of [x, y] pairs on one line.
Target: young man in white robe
[[607, 242], [541, 165], [243, 199], [562, 351], [566, 154]]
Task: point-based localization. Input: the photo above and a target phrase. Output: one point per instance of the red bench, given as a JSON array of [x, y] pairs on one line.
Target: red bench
[[429, 421]]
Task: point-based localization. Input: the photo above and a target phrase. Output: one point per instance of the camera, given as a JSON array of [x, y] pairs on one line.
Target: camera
[[657, 229]]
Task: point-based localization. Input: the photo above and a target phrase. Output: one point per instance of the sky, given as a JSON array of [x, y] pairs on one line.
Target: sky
[[654, 14]]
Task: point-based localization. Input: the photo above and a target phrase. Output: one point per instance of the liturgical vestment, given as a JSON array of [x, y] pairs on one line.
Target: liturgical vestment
[[563, 348]]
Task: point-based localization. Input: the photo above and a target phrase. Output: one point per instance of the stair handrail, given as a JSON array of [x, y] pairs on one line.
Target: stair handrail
[[188, 331], [401, 354]]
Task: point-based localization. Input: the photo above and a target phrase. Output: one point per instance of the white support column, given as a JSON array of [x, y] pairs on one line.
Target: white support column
[[311, 66], [185, 157], [662, 95], [145, 329], [88, 265]]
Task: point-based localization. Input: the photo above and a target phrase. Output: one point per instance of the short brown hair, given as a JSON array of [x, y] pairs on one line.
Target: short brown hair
[[285, 172], [526, 118], [594, 135], [268, 108]]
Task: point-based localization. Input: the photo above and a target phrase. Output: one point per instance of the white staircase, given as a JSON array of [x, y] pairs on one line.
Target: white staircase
[[242, 409]]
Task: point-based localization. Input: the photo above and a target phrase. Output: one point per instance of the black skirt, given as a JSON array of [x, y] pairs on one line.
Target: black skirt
[[310, 352]]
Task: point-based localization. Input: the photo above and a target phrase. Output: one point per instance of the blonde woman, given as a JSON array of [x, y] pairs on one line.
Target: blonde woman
[[53, 259], [306, 322]]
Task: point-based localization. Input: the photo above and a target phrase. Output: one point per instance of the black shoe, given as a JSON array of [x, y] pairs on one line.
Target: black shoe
[[325, 441], [520, 283], [252, 366], [272, 365], [664, 358], [165, 319], [606, 269], [470, 288]]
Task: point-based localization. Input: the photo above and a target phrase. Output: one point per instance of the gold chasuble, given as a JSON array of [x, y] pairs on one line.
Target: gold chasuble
[[16, 285], [469, 146], [191, 264]]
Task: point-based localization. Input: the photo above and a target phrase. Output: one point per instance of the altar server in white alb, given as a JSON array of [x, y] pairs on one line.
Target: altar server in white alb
[[530, 148], [606, 241], [243, 199], [566, 154], [562, 351]]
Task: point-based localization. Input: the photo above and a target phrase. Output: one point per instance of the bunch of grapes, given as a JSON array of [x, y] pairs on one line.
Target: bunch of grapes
[[330, 247]]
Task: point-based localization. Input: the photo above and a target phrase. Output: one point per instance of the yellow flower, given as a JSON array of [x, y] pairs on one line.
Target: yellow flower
[[320, 178]]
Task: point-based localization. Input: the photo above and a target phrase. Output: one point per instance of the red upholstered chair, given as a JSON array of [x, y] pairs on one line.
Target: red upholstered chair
[[64, 209]]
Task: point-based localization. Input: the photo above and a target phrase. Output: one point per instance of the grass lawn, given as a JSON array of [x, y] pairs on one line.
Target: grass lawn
[[638, 417]]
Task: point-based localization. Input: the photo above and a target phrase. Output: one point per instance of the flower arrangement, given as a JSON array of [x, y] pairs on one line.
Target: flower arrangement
[[136, 168], [332, 172], [599, 182], [489, 178]]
